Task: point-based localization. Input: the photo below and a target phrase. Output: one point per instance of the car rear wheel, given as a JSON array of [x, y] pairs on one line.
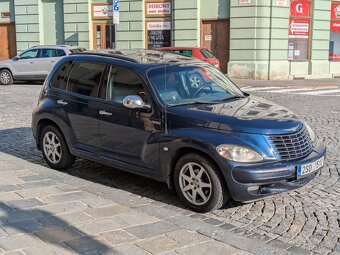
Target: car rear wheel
[[6, 77], [54, 148], [199, 183]]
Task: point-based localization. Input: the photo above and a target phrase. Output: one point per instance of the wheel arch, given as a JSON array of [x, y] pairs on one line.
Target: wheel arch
[[44, 123], [180, 152]]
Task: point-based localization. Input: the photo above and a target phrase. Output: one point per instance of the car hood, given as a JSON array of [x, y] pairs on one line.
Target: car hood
[[247, 115]]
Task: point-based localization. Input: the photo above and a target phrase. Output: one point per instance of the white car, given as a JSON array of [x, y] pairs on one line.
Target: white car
[[34, 64]]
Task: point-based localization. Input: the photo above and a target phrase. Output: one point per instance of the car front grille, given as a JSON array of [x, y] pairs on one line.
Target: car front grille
[[291, 146]]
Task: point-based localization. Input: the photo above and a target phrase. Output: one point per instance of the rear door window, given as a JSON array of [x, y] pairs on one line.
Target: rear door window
[[59, 78], [48, 53], [85, 78], [61, 53]]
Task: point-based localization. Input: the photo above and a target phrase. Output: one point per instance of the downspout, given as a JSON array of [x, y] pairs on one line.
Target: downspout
[[270, 38]]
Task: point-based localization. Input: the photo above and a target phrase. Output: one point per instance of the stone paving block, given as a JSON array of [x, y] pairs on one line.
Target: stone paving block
[[100, 226], [25, 226], [24, 203], [2, 233], [39, 192], [19, 242], [11, 180], [34, 178], [16, 174], [37, 184], [127, 249], [187, 237], [13, 253], [106, 212], [9, 196], [65, 219], [50, 249], [89, 244], [55, 209], [159, 244], [97, 201], [133, 218], [152, 229], [58, 234], [211, 247], [119, 237], [21, 215], [8, 188], [65, 197]]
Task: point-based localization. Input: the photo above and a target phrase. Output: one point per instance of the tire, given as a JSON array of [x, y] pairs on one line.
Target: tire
[[6, 77], [54, 149], [207, 199]]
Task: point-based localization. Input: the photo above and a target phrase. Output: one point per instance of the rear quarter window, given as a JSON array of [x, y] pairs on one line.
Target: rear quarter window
[[59, 78], [207, 54]]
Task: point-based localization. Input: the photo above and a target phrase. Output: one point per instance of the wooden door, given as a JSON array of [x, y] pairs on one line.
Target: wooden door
[[7, 41], [215, 37], [104, 36]]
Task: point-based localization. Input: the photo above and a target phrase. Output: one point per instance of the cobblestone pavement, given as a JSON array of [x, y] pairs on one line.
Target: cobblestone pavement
[[94, 209]]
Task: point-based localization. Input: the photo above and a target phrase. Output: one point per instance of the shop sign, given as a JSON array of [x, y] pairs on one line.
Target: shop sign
[[298, 28], [5, 15], [335, 26], [281, 2], [158, 9], [161, 25], [158, 34], [335, 57], [244, 1], [299, 9], [335, 11], [102, 11]]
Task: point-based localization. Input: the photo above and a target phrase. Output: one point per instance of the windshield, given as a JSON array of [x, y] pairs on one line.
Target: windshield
[[178, 85]]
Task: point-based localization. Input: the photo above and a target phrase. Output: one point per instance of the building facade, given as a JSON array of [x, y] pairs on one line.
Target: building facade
[[256, 39]]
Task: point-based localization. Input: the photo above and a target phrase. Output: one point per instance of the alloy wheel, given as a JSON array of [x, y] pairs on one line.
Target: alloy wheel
[[5, 78], [195, 183], [52, 147]]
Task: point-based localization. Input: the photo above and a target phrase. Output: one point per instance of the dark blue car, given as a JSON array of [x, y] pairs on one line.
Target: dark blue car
[[176, 120]]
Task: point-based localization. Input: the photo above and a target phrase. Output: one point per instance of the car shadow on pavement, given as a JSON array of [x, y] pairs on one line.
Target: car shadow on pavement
[[31, 229], [19, 142]]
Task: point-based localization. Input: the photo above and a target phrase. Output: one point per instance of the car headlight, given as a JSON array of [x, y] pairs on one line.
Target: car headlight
[[310, 132], [238, 153]]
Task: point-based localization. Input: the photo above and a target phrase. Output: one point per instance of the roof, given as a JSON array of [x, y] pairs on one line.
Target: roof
[[142, 56]]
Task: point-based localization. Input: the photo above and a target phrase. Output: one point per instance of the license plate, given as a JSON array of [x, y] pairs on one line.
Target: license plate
[[309, 168]]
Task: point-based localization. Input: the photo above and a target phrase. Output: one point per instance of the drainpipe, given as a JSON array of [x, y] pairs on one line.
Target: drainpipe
[[270, 37]]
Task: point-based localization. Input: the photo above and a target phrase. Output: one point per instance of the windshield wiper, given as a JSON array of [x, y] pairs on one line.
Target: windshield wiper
[[232, 97], [190, 103]]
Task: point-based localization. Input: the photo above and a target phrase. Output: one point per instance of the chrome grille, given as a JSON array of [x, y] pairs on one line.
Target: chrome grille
[[291, 146]]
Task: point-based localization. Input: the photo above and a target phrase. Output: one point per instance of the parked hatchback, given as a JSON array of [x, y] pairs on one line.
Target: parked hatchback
[[33, 64], [199, 53], [176, 120]]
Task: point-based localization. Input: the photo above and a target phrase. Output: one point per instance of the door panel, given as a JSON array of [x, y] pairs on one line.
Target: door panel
[[104, 36], [26, 66], [215, 37], [8, 41]]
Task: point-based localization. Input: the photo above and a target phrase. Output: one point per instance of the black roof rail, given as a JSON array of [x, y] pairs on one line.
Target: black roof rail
[[101, 54]]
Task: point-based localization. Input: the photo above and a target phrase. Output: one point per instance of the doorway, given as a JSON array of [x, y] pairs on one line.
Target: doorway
[[215, 36], [104, 36], [8, 47]]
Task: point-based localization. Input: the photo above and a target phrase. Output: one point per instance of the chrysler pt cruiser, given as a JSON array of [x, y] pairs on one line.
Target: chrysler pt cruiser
[[176, 120]]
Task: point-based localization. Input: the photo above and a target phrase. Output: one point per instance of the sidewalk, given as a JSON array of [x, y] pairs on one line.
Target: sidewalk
[[324, 83], [50, 212]]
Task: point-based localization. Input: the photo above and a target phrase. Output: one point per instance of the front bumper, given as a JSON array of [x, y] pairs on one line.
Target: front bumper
[[252, 182]]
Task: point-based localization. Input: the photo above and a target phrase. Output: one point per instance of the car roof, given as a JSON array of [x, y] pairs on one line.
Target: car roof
[[180, 48], [56, 46], [140, 57]]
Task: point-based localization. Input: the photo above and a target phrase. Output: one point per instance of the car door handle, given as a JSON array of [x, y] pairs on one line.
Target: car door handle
[[62, 102], [31, 62], [103, 112]]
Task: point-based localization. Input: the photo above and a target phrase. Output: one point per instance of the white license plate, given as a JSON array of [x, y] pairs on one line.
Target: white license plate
[[309, 168]]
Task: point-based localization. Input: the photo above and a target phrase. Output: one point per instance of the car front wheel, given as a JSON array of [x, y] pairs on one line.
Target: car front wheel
[[199, 183], [54, 148], [6, 77]]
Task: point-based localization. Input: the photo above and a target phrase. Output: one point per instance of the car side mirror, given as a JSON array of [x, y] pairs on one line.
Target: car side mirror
[[16, 58], [135, 102]]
